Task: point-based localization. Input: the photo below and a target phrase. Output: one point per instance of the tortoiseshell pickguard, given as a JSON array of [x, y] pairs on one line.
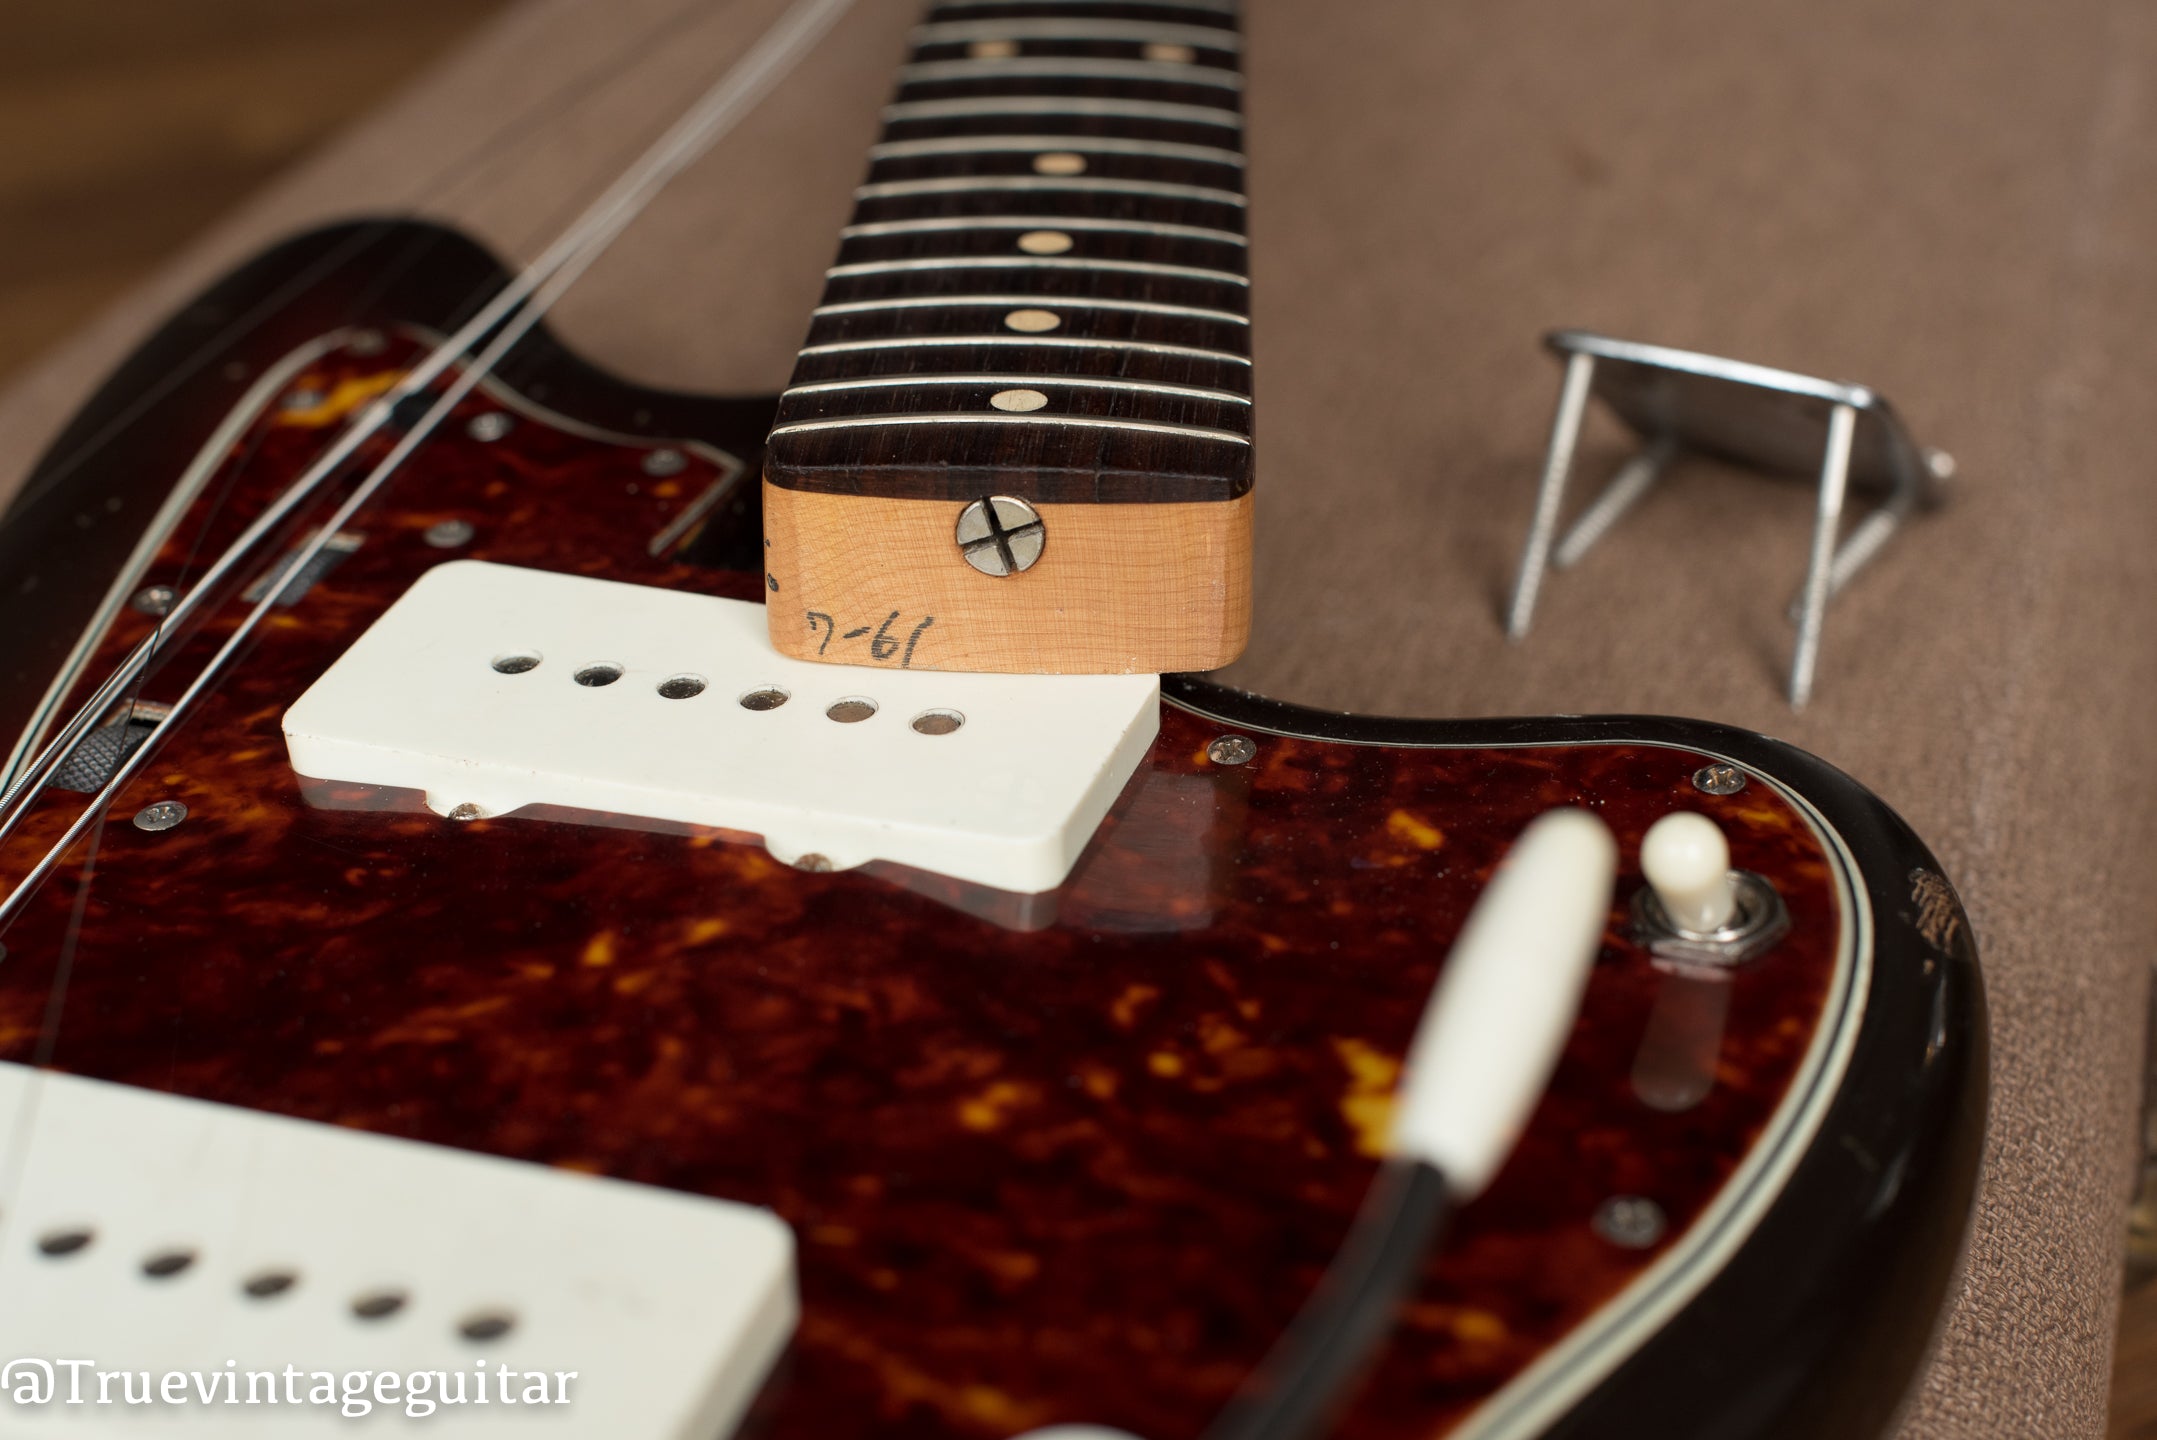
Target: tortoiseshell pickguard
[[1083, 1171]]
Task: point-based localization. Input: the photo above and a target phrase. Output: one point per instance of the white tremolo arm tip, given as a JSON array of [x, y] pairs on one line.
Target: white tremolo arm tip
[[1687, 862], [1505, 1002]]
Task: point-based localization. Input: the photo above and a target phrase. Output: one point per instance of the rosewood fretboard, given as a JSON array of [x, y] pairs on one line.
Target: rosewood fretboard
[[1043, 289]]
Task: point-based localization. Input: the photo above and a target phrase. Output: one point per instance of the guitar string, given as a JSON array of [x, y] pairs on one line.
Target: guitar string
[[716, 111], [439, 190], [443, 186], [774, 55]]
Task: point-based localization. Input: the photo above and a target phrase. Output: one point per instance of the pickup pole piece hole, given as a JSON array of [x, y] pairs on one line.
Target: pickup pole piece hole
[[378, 1304], [681, 687], [167, 1263], [69, 1241], [938, 722], [516, 662], [605, 673], [268, 1283], [771, 697], [488, 1325], [852, 710]]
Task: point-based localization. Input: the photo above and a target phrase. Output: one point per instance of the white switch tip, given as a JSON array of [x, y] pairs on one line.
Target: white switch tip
[[1687, 861], [1506, 1001]]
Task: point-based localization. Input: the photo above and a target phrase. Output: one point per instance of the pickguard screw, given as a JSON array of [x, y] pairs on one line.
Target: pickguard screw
[[466, 811], [367, 342], [1632, 1221], [1231, 750], [665, 462], [160, 815], [1000, 535], [303, 399], [155, 599], [1719, 779], [489, 427], [448, 534], [814, 863]]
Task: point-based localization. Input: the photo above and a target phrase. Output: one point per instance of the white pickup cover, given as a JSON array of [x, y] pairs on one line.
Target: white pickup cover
[[1008, 798], [670, 1308]]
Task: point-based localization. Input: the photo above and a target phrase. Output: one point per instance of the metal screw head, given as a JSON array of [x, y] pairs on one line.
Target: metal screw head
[[1632, 1221], [155, 599], [1719, 779], [814, 863], [464, 812], [489, 427], [665, 462], [1000, 535], [1231, 750], [448, 534], [160, 815]]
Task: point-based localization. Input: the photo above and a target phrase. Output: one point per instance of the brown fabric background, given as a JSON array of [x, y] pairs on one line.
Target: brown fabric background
[[1952, 201]]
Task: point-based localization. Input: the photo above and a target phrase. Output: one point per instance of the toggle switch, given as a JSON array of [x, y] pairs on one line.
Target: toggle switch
[[1687, 862], [1695, 911]]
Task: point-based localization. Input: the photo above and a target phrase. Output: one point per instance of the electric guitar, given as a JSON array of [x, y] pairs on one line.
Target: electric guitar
[[517, 879]]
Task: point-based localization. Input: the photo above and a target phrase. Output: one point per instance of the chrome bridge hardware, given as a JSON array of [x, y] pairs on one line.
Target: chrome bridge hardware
[[1767, 420]]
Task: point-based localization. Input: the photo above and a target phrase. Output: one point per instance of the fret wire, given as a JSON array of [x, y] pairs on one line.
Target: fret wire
[[1083, 144], [1161, 72], [1029, 262], [1040, 302], [1041, 222], [871, 382], [1060, 342], [1162, 110], [958, 184], [1088, 422], [1138, 32]]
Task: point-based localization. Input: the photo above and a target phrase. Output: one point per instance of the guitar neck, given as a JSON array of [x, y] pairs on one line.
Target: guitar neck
[[1042, 294]]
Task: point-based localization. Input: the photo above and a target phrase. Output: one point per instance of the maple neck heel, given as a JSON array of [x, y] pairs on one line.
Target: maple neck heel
[[1018, 436]]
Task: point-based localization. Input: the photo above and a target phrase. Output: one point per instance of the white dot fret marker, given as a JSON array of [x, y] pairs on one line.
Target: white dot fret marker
[[1032, 322], [992, 49], [1059, 162], [1687, 861], [1170, 54], [1018, 400], [1044, 242]]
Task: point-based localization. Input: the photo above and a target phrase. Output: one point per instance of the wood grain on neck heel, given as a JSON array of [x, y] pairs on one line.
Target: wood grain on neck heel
[[1042, 297], [1119, 589]]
